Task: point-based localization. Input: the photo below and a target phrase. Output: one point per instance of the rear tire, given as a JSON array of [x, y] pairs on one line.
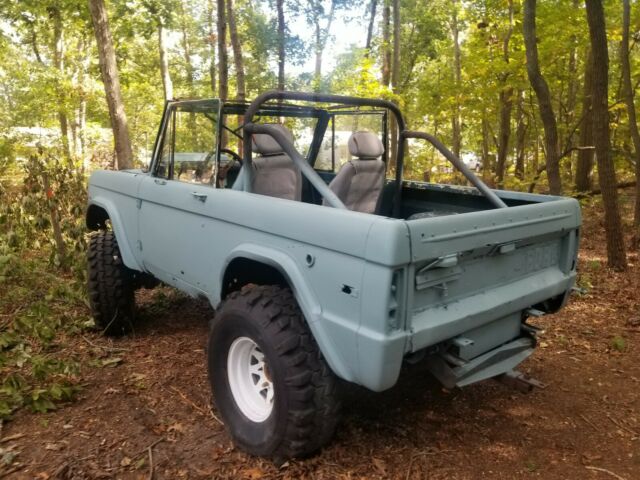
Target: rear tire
[[111, 285], [274, 390]]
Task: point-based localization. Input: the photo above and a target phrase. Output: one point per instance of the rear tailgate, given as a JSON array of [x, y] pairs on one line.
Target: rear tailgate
[[472, 269]]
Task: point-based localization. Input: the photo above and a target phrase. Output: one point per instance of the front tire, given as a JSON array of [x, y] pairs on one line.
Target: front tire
[[275, 392], [111, 285]]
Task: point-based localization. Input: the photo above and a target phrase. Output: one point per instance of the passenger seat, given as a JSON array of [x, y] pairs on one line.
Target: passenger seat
[[274, 173], [359, 182]]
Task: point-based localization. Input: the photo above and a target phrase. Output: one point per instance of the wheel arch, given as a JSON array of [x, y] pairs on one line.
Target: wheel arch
[[101, 214], [96, 218], [258, 264]]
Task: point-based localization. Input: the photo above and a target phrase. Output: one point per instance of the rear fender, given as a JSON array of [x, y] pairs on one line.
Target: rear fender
[[306, 298]]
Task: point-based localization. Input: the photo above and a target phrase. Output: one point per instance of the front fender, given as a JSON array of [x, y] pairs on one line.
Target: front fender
[[306, 298], [117, 224]]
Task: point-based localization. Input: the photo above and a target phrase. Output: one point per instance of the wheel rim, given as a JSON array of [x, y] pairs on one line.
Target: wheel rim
[[249, 379]]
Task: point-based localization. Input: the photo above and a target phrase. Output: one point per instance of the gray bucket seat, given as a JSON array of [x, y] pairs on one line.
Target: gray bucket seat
[[274, 173], [359, 182]]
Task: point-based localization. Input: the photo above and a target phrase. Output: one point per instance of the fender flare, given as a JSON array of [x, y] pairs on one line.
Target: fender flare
[[305, 296], [128, 256]]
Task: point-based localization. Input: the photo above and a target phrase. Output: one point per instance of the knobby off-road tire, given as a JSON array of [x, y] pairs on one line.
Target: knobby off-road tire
[[111, 285], [305, 407]]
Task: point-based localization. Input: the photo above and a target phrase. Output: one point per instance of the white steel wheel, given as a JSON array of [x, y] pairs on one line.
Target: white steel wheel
[[249, 379]]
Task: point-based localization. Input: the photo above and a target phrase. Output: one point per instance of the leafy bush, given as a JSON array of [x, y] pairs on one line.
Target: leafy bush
[[42, 278]]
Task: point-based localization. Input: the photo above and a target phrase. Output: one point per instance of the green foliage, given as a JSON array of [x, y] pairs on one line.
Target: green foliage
[[618, 344], [42, 297]]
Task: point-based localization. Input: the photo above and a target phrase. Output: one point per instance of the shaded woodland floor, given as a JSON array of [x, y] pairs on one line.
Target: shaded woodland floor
[[144, 409]]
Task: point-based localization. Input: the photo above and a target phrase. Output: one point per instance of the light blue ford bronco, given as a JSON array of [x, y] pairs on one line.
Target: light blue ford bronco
[[291, 217]]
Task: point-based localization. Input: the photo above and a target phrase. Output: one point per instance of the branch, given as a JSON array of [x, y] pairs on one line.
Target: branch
[[532, 185], [34, 41]]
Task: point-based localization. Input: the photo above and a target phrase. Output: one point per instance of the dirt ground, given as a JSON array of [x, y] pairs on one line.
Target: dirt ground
[[144, 410]]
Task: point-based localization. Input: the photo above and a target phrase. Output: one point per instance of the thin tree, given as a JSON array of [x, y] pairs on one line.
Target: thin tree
[[238, 62], [167, 84], [568, 110], [541, 88], [213, 45], [457, 77], [627, 89], [584, 163], [111, 81], [506, 105], [212, 40], [315, 16], [395, 72], [486, 159], [186, 52], [386, 43], [223, 69], [237, 52], [616, 254], [521, 135], [373, 6], [281, 42], [58, 61], [395, 69]]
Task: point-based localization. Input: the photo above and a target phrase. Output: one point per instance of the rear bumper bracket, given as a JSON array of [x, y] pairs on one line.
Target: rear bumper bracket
[[499, 361]]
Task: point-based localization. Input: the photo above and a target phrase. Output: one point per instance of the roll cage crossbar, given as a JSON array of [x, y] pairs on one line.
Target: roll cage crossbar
[[311, 175], [456, 162]]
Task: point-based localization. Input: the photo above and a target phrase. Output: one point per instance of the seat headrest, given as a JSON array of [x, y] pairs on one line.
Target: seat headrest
[[264, 144], [365, 145]]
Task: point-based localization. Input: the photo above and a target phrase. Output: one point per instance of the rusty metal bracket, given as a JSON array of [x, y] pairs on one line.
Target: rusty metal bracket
[[520, 381]]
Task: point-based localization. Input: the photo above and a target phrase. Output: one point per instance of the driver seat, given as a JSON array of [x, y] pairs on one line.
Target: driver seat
[[274, 173], [359, 182]]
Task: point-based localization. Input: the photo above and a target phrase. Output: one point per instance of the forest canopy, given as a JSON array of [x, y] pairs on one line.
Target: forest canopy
[[525, 89]]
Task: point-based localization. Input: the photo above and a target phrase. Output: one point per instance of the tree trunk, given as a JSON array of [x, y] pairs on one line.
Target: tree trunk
[[167, 85], [395, 75], [372, 19], [212, 43], [572, 93], [186, 51], [486, 160], [83, 53], [386, 43], [317, 72], [395, 71], [189, 72], [321, 36], [584, 163], [521, 135], [457, 75], [237, 52], [627, 89], [58, 239], [58, 60], [539, 84], [616, 254], [506, 106], [281, 40], [238, 63], [223, 69], [82, 128], [109, 71]]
